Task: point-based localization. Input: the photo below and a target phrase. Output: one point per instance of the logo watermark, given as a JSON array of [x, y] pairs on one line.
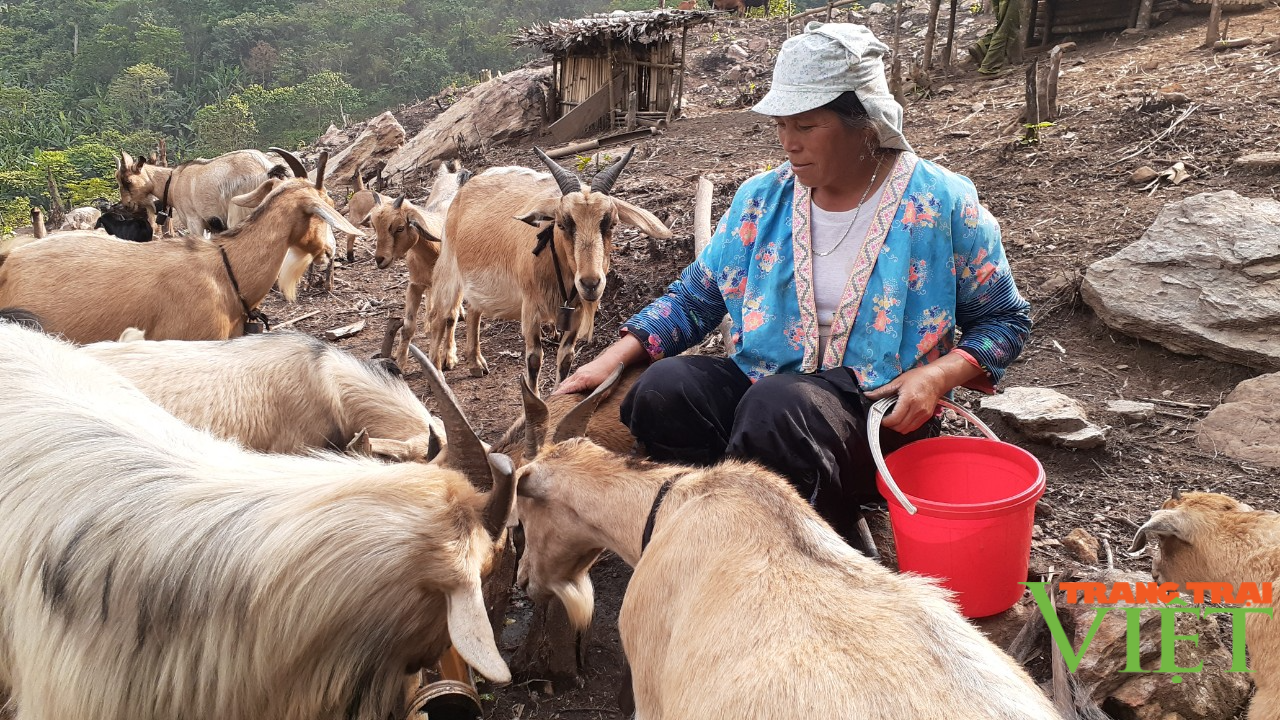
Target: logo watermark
[[1163, 598]]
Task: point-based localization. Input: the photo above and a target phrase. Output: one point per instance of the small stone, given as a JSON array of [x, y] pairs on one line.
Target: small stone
[[1037, 531], [737, 52], [1082, 546], [876, 8], [1166, 393], [1122, 366], [1131, 411], [1143, 175]]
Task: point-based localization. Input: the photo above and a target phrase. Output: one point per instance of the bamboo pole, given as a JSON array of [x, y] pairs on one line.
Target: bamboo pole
[[675, 113], [931, 33], [1051, 83], [951, 37]]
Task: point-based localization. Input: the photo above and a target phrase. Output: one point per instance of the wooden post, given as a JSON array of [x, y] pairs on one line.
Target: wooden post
[[702, 235], [1050, 108], [931, 33], [1031, 115], [895, 81], [631, 110], [829, 10], [37, 223], [675, 112], [1144, 15], [1213, 33], [951, 37]]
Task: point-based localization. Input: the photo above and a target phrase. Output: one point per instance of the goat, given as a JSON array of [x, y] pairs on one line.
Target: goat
[[197, 189], [119, 221], [742, 574], [1208, 537], [525, 245], [148, 568], [405, 230], [739, 7], [89, 287], [281, 392], [359, 205], [81, 218]]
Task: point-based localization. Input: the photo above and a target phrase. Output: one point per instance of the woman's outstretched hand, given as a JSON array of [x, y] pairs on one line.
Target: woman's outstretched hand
[[919, 389], [627, 350]]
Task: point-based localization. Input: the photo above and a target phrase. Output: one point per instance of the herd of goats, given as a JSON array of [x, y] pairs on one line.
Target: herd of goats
[[197, 520]]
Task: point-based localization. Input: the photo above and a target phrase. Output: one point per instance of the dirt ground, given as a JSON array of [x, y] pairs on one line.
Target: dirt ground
[[1062, 204]]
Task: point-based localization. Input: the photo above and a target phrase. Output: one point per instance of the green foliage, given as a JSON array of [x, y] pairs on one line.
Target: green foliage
[[224, 126], [14, 213], [83, 192]]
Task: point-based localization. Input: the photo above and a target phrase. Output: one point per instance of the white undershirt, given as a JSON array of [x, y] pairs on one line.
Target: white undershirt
[[831, 273]]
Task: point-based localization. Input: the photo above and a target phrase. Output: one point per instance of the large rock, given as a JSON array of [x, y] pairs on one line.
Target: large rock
[[1204, 279], [489, 114], [1247, 425], [1214, 693], [1046, 415], [381, 138]]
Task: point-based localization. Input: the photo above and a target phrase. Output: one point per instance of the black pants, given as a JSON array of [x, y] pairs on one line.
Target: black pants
[[811, 429]]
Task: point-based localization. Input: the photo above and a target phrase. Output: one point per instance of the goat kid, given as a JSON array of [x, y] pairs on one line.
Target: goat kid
[[741, 574], [1208, 537], [404, 230], [359, 205], [282, 392], [523, 245], [89, 287], [147, 568]]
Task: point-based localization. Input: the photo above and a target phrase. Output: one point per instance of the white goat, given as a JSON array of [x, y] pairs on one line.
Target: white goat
[[1207, 537], [522, 245], [280, 392], [148, 569], [81, 218], [406, 230], [742, 574], [195, 191], [89, 287]]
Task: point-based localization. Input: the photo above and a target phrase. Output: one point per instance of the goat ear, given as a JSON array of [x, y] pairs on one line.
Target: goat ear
[[540, 210], [254, 198], [1163, 523], [471, 633], [377, 198], [641, 218], [535, 420], [428, 224], [574, 423], [336, 221]]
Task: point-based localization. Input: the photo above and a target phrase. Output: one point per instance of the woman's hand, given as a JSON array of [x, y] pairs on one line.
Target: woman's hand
[[919, 389], [627, 350]]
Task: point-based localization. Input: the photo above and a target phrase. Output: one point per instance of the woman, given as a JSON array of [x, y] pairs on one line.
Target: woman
[[846, 273]]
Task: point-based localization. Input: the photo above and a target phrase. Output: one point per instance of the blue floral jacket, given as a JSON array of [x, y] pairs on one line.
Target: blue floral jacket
[[932, 267]]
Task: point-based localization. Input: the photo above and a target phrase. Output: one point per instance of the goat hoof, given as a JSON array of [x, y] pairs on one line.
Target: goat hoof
[[478, 371], [351, 256]]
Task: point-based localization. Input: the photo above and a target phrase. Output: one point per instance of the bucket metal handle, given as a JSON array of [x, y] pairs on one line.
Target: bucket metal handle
[[876, 415]]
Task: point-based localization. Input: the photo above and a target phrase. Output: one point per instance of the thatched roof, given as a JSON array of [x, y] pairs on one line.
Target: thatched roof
[[641, 26]]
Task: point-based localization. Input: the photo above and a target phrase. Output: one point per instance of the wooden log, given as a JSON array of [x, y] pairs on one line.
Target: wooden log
[[702, 234], [345, 331], [1263, 160], [821, 10], [57, 213], [631, 110], [931, 33], [1051, 83], [1031, 114], [1213, 32], [1144, 15], [552, 649], [1232, 44]]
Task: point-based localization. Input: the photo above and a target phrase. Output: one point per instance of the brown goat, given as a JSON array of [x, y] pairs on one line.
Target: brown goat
[[414, 233], [526, 245], [359, 205], [742, 574], [91, 287], [1208, 537]]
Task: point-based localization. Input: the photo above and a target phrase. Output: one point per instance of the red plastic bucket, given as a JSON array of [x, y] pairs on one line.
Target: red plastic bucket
[[961, 509]]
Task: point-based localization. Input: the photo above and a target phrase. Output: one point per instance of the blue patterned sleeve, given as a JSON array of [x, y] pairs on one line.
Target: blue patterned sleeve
[[994, 318], [691, 307]]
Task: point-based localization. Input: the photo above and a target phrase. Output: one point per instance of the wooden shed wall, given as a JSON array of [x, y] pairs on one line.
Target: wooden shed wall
[[648, 70]]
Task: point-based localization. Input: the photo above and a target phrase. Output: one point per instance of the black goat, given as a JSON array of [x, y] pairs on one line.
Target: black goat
[[126, 225]]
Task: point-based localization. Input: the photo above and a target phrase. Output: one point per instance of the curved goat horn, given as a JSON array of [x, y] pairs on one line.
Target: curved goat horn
[[574, 423], [535, 420], [604, 180], [321, 162], [568, 182], [299, 170], [466, 453], [501, 496]]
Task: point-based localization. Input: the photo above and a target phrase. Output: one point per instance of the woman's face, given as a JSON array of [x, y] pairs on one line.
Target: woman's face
[[821, 148]]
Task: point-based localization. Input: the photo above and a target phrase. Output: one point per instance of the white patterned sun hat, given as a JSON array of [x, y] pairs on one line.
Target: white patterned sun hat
[[829, 59]]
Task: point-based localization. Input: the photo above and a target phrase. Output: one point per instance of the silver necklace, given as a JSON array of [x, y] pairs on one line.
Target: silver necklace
[[856, 213]]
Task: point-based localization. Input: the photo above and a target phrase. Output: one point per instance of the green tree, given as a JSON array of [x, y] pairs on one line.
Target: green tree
[[225, 126]]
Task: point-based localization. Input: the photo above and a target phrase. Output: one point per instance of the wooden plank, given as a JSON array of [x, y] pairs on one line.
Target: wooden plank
[[582, 116]]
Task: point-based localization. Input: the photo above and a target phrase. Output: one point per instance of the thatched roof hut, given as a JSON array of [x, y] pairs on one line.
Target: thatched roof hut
[[601, 60]]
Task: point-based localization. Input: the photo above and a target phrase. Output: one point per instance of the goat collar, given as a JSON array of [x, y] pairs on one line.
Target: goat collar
[[249, 313], [653, 513], [566, 297]]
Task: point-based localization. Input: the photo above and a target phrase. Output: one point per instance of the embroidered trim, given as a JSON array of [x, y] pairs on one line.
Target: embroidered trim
[[800, 246], [865, 262]]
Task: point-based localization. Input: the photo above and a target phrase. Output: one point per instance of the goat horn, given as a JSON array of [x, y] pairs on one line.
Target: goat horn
[[398, 203], [535, 420], [604, 180], [568, 182], [501, 497], [321, 162], [299, 170], [575, 421], [466, 453], [1177, 493], [377, 198]]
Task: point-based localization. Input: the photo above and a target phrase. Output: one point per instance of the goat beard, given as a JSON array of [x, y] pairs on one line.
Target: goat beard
[[578, 597], [295, 265]]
